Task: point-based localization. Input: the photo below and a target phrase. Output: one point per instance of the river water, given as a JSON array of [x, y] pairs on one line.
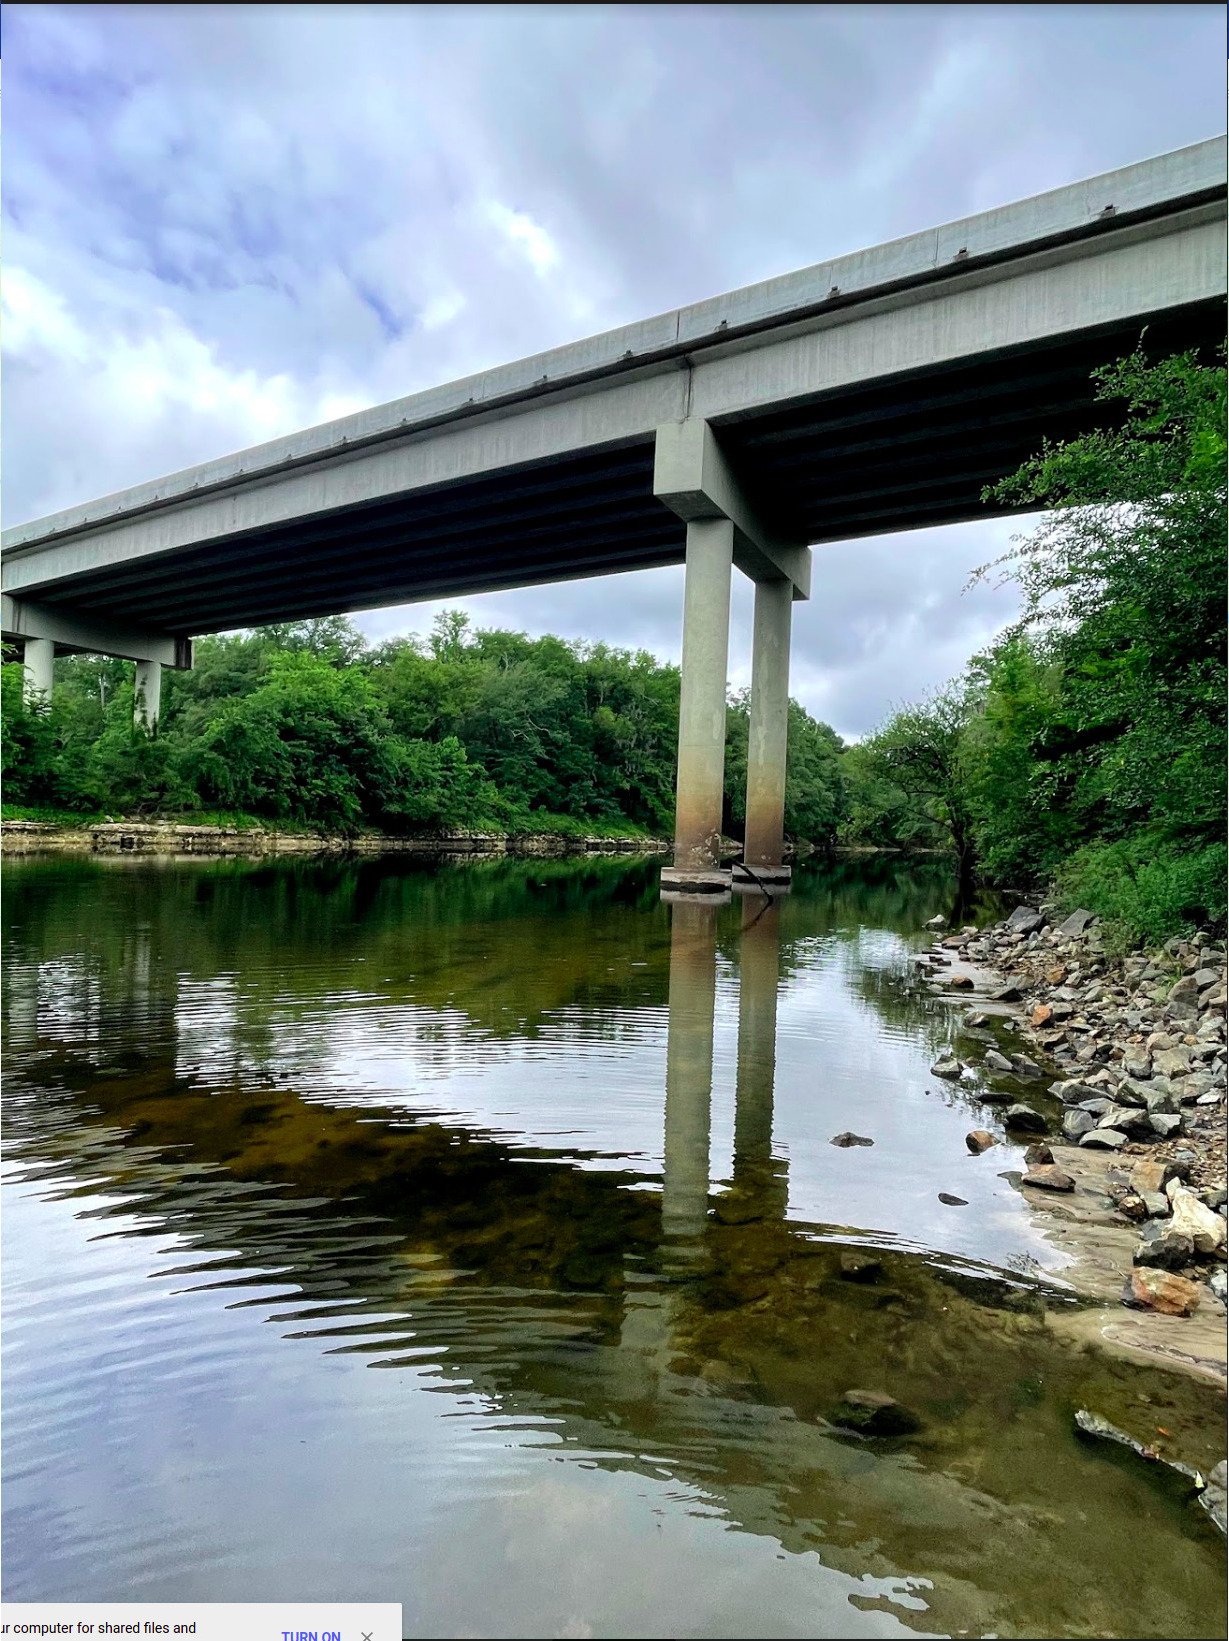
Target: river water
[[469, 1235]]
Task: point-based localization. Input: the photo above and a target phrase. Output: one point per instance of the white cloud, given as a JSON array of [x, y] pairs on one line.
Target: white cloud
[[222, 223]]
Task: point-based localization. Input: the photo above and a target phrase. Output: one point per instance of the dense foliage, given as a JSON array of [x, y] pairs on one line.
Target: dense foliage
[[1089, 743], [303, 724]]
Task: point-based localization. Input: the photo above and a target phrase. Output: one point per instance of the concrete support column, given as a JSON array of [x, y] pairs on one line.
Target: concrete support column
[[39, 662], [148, 693], [768, 732], [689, 1069], [701, 759]]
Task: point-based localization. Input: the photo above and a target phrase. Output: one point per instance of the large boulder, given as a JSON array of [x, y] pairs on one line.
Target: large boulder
[[1075, 925], [1024, 1119], [1025, 920], [1148, 1289], [1076, 1124], [1195, 1219], [1162, 1245]]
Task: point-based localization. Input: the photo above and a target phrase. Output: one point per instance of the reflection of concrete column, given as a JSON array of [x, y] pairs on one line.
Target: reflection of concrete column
[[768, 730], [148, 693], [701, 756], [689, 1067], [39, 663], [758, 1176]]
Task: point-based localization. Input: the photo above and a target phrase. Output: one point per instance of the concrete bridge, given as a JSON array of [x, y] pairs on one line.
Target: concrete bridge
[[878, 392]]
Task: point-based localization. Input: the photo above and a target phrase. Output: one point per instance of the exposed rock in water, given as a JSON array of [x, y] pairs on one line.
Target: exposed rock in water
[[1147, 1289], [948, 1068], [936, 922], [996, 1061], [979, 1140], [847, 1139], [975, 1020], [872, 1413], [950, 1201], [1006, 994], [1049, 1177], [1025, 1119], [960, 982], [1024, 1067], [1038, 1152]]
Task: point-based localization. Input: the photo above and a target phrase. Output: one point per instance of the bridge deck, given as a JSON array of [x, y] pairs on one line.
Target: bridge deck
[[876, 393]]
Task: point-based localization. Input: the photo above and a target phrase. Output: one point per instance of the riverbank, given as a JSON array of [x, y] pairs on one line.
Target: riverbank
[[1123, 1087], [170, 838]]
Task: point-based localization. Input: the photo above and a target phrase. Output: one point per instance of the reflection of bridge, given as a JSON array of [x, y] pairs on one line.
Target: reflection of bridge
[[878, 392], [705, 1338]]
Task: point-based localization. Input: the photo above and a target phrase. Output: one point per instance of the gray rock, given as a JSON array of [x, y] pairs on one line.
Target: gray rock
[[936, 922], [1127, 1119], [1219, 1284], [1025, 920], [1006, 994], [1076, 1124], [1130, 1092], [1025, 1119], [1073, 1092], [948, 1068], [1160, 1100], [1104, 1139], [974, 1020], [1024, 1067], [1162, 1245], [1075, 925], [1183, 1000], [1098, 1105], [1137, 1065], [1156, 1204], [995, 1061], [847, 1139], [949, 1201], [1213, 1496], [1171, 1062], [1165, 1125], [1204, 978]]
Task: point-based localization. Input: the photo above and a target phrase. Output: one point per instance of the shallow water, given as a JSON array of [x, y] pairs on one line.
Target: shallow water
[[554, 1158]]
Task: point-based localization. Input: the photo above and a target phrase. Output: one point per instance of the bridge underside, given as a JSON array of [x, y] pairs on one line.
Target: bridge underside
[[891, 454]]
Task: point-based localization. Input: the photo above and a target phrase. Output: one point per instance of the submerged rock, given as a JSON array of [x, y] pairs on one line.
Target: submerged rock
[[1092, 1427], [847, 1139], [860, 1267], [873, 1413]]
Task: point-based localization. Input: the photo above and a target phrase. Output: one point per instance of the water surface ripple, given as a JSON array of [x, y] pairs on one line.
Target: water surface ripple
[[554, 1158]]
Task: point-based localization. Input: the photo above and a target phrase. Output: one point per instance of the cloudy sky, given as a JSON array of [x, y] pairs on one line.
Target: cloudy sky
[[225, 223]]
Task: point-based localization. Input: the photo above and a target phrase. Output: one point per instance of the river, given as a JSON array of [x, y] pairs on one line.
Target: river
[[470, 1235]]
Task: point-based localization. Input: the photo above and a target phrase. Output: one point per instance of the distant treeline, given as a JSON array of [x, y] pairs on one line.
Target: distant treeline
[[303, 724], [1087, 746]]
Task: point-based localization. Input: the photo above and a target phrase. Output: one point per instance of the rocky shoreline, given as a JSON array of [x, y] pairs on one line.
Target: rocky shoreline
[[1120, 1082]]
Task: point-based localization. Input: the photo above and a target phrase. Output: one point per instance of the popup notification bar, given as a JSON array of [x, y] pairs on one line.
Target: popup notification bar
[[203, 1620]]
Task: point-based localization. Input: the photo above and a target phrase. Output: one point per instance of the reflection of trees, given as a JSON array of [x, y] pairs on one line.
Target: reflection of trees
[[558, 1291]]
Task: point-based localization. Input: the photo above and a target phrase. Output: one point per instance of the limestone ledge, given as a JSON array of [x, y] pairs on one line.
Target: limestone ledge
[[162, 838]]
